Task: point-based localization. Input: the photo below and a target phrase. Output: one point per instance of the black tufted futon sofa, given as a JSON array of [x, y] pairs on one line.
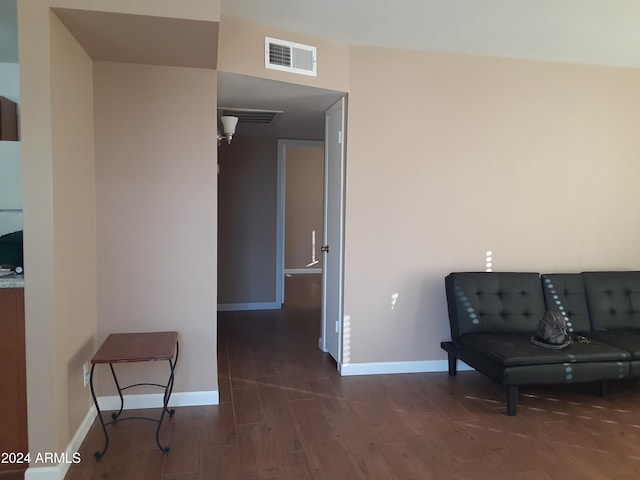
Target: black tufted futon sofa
[[493, 315]]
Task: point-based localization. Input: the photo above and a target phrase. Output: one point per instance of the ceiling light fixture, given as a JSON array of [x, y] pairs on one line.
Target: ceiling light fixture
[[229, 126]]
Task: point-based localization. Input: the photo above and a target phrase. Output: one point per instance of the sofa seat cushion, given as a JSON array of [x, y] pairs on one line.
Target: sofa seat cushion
[[628, 340], [515, 349]]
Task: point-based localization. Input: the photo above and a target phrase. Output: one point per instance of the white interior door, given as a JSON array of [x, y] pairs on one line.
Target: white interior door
[[332, 273]]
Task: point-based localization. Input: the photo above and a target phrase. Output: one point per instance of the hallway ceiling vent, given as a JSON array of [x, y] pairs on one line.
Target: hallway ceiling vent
[[252, 115], [289, 57]]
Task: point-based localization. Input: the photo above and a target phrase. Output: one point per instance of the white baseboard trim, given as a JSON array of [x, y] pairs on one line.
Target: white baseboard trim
[[155, 400], [43, 473], [131, 402], [234, 307], [380, 368], [301, 271], [58, 472]]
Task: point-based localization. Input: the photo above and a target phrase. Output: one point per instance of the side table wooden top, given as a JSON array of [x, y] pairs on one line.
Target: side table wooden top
[[136, 347]]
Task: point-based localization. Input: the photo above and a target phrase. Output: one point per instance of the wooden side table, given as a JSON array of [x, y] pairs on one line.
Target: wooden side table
[[136, 347]]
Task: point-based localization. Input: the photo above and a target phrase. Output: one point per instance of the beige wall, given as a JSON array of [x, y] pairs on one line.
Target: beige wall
[[156, 212], [303, 205], [60, 259], [247, 221], [59, 212], [74, 228], [534, 161], [242, 51], [35, 110]]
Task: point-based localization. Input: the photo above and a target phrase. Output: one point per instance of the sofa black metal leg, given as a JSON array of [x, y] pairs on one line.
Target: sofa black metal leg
[[512, 400], [604, 388], [453, 365], [451, 350]]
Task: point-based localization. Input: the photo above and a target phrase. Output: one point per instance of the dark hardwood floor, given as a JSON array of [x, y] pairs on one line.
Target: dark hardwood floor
[[285, 413]]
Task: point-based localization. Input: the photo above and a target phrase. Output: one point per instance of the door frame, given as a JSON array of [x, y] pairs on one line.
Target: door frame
[[280, 218]]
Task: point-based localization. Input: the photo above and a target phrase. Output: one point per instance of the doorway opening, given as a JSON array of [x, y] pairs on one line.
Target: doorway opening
[[252, 194], [300, 211]]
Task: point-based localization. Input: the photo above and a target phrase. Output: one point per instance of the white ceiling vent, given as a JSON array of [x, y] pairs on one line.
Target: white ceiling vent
[[289, 57]]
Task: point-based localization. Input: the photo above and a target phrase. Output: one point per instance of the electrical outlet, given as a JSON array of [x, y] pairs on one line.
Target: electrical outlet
[[86, 373]]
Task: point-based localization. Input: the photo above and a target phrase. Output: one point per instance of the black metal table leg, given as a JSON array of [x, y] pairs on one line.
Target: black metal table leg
[[115, 380], [167, 395], [98, 455], [169, 389]]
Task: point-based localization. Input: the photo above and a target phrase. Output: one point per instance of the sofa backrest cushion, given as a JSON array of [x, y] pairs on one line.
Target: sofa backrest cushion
[[504, 302], [564, 293], [613, 299]]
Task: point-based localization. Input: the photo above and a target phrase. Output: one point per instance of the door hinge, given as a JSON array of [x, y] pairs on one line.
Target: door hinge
[[337, 327], [340, 137]]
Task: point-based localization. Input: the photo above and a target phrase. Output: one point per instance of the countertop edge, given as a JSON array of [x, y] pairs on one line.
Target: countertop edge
[[12, 281]]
